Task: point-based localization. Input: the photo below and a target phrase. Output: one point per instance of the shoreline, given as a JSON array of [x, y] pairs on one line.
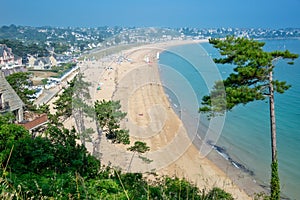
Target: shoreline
[[144, 106], [237, 172]]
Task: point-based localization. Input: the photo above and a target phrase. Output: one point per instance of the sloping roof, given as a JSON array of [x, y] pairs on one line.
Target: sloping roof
[[3, 48], [13, 70], [44, 60], [9, 95], [41, 120]]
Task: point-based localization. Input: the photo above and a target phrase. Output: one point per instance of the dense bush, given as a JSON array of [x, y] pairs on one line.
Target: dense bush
[[56, 167]]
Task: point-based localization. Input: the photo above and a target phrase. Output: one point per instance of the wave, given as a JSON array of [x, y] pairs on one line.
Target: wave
[[222, 151]]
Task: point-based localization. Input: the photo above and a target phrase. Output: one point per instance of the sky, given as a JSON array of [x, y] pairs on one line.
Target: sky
[[152, 13]]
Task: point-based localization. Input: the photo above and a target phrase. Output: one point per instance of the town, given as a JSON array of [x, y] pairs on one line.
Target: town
[[51, 54]]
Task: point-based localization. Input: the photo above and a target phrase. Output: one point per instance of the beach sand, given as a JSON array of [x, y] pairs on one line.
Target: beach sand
[[132, 77]]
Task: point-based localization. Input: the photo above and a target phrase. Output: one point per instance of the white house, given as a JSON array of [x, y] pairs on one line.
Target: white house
[[42, 63], [7, 58]]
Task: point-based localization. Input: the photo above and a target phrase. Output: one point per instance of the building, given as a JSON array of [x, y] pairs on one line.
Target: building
[[11, 70], [35, 125], [7, 58], [42, 63], [9, 100], [9, 63]]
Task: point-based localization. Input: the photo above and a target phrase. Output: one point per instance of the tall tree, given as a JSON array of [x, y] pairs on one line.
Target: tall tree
[[9, 133], [139, 147], [109, 115], [81, 108], [63, 104], [252, 80], [74, 101]]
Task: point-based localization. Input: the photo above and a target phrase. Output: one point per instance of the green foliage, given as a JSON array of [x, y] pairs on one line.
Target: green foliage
[[261, 196], [61, 70], [120, 136], [104, 189], [175, 188], [60, 48], [7, 118], [63, 104], [58, 152], [37, 171], [20, 82], [80, 107], [280, 86], [145, 159], [44, 81], [31, 156], [9, 134], [74, 102], [216, 102], [81, 96], [55, 166], [140, 147], [109, 115], [275, 183], [249, 81], [108, 112], [57, 37], [44, 108], [133, 184], [44, 166], [22, 50], [217, 193], [73, 97]]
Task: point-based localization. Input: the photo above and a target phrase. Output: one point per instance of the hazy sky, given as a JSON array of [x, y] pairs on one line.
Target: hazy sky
[[157, 13]]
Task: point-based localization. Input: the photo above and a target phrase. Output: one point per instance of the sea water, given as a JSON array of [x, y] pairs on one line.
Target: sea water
[[245, 134]]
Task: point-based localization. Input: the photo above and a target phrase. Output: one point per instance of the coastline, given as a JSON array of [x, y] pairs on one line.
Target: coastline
[[236, 171], [150, 118]]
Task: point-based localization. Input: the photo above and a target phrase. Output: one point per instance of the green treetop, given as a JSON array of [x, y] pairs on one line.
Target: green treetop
[[251, 80]]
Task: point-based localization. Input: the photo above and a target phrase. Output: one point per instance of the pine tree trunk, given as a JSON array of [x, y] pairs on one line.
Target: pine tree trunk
[[97, 141], [272, 118], [275, 183], [131, 162], [79, 121]]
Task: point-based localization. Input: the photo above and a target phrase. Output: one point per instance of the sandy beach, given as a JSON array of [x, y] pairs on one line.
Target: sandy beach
[[132, 76]]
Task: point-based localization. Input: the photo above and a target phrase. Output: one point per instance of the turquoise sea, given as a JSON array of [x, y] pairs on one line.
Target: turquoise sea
[[242, 136]]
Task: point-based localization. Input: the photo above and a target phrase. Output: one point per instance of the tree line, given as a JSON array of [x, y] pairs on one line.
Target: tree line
[[251, 80]]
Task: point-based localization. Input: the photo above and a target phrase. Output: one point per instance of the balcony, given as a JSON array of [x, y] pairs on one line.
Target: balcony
[[4, 106]]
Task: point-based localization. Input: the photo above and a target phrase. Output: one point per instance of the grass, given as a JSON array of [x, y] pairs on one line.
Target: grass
[[39, 75]]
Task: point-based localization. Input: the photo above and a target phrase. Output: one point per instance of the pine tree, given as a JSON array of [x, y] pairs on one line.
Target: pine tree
[[251, 80], [109, 115]]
